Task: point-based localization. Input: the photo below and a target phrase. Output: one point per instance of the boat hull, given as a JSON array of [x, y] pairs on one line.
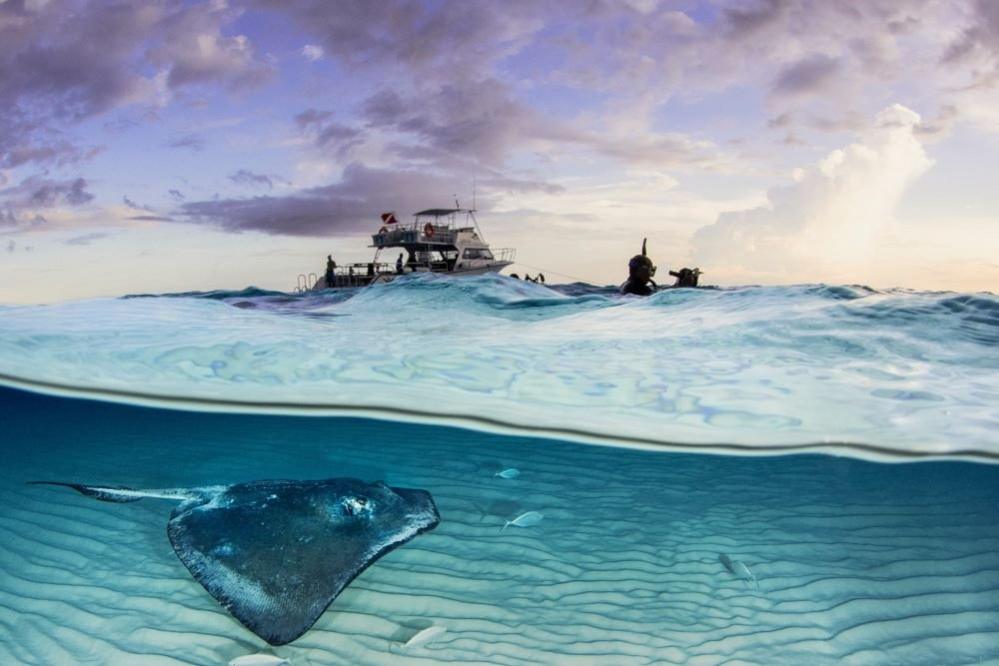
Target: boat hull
[[348, 282]]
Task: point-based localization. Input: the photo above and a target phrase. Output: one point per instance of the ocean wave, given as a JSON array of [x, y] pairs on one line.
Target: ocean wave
[[759, 368]]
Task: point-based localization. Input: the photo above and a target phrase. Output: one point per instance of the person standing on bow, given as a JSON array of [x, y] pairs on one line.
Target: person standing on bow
[[330, 272]]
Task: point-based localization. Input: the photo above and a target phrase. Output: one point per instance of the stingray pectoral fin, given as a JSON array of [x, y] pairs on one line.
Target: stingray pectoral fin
[[275, 554]]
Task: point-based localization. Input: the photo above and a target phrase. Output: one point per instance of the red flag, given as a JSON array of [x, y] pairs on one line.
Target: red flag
[[388, 218]]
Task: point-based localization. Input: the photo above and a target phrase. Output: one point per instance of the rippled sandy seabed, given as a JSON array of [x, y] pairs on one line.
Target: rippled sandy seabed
[[855, 561], [862, 511]]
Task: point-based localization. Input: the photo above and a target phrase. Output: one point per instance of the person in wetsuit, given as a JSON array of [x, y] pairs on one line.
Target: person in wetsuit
[[330, 271], [640, 272], [686, 277]]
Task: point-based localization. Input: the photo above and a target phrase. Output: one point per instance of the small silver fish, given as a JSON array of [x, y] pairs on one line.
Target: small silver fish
[[425, 636], [738, 569], [509, 473], [525, 520]]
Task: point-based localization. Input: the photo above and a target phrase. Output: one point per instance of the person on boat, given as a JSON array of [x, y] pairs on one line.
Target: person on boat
[[399, 264], [640, 272], [686, 277], [330, 271]]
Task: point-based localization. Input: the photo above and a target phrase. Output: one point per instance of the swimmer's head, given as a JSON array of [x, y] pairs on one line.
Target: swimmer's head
[[641, 267]]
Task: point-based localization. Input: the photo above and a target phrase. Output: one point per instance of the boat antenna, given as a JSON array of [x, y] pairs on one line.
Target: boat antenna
[[456, 204], [473, 193]]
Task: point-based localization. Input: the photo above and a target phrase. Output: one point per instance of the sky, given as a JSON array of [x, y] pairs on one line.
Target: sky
[[173, 146]]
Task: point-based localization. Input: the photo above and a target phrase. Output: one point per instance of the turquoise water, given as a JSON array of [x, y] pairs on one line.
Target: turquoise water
[[867, 533], [752, 369]]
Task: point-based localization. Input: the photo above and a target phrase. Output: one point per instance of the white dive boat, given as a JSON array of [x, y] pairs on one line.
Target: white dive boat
[[439, 240]]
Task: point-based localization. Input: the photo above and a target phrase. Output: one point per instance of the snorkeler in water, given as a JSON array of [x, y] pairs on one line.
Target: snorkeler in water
[[640, 272], [686, 277]]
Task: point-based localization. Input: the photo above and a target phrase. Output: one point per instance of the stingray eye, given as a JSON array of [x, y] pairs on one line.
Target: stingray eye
[[353, 506]]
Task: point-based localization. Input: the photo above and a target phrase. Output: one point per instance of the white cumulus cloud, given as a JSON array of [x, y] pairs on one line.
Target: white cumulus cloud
[[828, 224]]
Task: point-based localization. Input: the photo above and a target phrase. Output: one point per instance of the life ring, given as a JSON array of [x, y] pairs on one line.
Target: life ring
[[428, 230]]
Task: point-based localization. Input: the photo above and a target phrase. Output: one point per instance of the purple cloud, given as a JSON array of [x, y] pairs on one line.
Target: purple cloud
[[193, 142], [807, 76], [247, 177], [36, 192], [346, 207], [136, 206], [326, 134], [67, 61]]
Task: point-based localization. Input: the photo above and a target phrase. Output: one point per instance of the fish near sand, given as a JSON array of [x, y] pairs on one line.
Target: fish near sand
[[509, 473], [738, 569], [276, 554], [525, 520], [424, 636]]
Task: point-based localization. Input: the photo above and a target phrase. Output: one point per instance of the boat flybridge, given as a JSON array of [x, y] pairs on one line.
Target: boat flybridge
[[439, 240]]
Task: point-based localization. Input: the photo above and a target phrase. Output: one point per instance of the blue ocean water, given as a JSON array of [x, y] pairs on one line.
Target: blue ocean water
[[868, 533], [895, 373]]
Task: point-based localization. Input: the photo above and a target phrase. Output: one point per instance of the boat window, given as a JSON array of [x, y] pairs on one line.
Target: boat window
[[477, 253]]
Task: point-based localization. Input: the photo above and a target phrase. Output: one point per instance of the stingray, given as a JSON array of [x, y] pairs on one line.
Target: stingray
[[276, 554]]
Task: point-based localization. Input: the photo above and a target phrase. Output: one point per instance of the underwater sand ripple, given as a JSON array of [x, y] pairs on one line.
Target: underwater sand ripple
[[625, 567]]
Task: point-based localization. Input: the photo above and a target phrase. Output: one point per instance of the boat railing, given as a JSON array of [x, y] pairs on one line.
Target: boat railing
[[363, 269], [505, 254], [305, 282], [414, 233]]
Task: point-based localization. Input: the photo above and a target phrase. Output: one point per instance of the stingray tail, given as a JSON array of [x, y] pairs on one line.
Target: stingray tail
[[102, 493]]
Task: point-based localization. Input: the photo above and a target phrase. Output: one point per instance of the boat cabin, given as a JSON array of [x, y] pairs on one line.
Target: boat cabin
[[438, 240]]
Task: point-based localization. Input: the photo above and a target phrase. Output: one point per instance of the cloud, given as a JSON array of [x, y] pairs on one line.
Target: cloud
[[745, 22], [483, 122], [831, 218], [62, 62], [808, 76], [176, 195], [8, 218], [247, 177], [480, 121], [979, 40], [150, 218], [85, 239], [197, 52], [136, 206], [327, 134], [312, 52], [349, 206], [26, 204], [36, 192], [455, 37], [195, 142]]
